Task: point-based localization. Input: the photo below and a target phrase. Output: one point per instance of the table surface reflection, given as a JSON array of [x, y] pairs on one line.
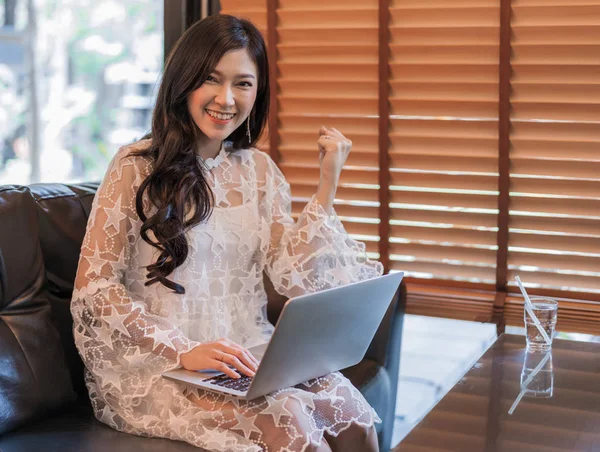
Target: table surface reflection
[[560, 411]]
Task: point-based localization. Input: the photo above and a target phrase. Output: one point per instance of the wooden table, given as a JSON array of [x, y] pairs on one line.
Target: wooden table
[[474, 416]]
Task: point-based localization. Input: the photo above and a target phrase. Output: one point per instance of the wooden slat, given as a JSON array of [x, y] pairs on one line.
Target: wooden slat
[[444, 181], [315, 18], [306, 191], [564, 206], [432, 146], [559, 281], [442, 253], [544, 133], [564, 225], [344, 36], [357, 158], [449, 218], [436, 71], [579, 188], [579, 244], [452, 108], [555, 72], [445, 271], [553, 261], [456, 54], [329, 105], [446, 163], [558, 167], [302, 174], [444, 235], [575, 13], [580, 300], [454, 35], [485, 15], [448, 201], [320, 71], [310, 123]]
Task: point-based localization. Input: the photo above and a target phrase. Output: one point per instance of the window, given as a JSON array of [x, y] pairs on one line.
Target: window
[[78, 81]]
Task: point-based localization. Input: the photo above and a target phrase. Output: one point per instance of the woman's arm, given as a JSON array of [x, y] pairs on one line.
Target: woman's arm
[[114, 331], [313, 253], [333, 152]]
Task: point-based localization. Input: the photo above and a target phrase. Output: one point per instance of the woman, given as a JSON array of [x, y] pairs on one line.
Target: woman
[[205, 214]]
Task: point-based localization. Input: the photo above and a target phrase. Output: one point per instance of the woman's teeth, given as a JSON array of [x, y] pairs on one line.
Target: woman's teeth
[[220, 116]]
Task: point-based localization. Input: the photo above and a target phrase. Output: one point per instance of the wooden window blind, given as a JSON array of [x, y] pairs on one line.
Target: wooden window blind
[[555, 145], [444, 145], [458, 132], [554, 235]]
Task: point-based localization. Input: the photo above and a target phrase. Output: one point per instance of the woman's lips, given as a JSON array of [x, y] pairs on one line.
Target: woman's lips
[[219, 121]]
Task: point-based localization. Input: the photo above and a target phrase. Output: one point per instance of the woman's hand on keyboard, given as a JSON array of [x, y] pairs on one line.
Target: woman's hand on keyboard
[[220, 355]]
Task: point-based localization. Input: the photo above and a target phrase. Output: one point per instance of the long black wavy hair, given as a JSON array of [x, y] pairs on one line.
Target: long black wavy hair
[[177, 186]]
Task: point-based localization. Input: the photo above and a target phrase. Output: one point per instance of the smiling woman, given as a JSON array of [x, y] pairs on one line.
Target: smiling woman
[[207, 215]]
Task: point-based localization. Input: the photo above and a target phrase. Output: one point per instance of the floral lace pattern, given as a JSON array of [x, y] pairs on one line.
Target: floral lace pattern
[[129, 334]]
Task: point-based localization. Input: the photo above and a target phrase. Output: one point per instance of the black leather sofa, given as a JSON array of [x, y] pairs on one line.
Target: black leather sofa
[[44, 405]]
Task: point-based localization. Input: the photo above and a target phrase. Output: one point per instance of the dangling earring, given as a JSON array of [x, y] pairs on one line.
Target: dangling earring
[[248, 131]]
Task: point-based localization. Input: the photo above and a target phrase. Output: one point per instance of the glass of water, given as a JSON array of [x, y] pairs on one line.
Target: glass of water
[[546, 310]]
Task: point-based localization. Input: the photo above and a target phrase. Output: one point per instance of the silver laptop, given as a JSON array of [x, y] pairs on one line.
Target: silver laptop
[[316, 334]]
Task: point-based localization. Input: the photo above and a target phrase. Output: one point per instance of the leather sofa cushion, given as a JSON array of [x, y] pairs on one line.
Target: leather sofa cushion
[[63, 211], [33, 376], [78, 430]]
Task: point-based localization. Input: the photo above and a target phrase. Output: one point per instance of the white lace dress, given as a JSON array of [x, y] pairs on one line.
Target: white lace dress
[[129, 334]]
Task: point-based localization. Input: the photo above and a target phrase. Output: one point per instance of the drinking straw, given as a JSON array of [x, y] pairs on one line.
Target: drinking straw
[[529, 309], [529, 379]]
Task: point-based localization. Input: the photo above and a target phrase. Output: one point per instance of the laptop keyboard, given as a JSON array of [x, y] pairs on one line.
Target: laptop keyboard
[[239, 384]]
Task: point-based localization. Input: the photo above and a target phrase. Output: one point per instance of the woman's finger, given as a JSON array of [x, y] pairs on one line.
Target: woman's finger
[[255, 359], [233, 360], [325, 142], [243, 355], [220, 365], [230, 346], [336, 131], [250, 356]]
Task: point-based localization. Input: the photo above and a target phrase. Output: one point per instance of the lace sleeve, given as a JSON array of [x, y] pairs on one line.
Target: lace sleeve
[[118, 339], [314, 253]]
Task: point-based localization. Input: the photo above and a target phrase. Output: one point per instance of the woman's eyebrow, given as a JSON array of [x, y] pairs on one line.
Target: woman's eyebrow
[[238, 75]]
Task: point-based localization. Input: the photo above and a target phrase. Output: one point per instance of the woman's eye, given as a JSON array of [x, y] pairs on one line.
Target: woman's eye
[[246, 84], [210, 78]]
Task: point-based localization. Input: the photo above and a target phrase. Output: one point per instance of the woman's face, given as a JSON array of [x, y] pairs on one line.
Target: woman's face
[[226, 98]]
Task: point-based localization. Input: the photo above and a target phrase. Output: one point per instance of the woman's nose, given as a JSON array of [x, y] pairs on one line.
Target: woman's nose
[[225, 96]]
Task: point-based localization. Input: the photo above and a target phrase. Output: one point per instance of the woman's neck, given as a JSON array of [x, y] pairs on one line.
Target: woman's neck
[[208, 149]]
